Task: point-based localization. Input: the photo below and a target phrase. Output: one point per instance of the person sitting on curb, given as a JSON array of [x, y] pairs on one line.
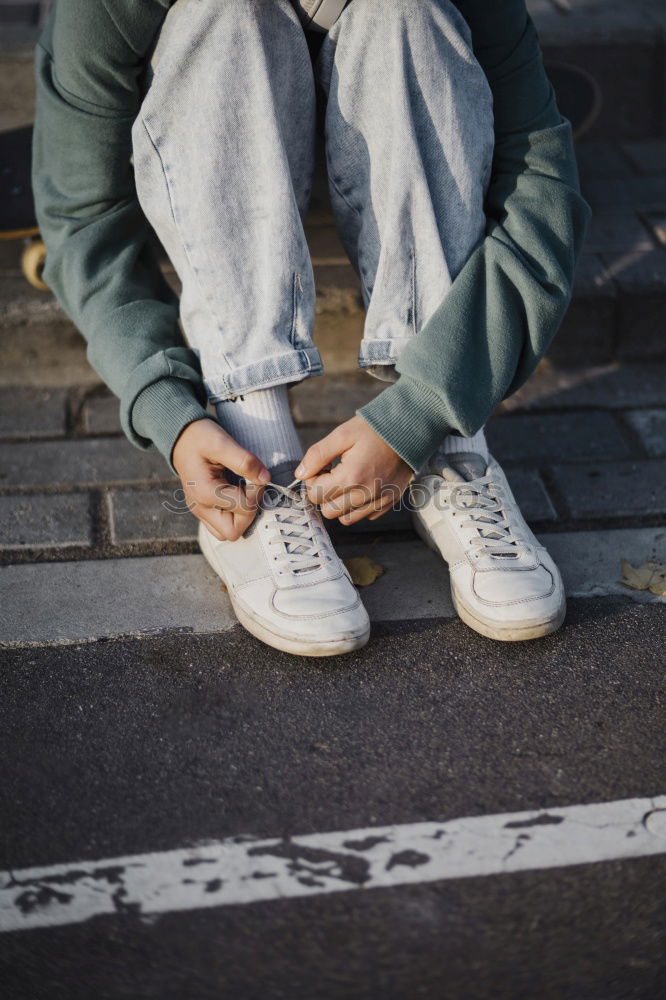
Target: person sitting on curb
[[454, 187]]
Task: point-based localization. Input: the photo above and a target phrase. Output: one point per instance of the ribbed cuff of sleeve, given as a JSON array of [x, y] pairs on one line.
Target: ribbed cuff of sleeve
[[410, 417], [163, 410]]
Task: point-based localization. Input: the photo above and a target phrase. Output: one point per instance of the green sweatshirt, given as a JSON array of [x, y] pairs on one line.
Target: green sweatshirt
[[482, 343]]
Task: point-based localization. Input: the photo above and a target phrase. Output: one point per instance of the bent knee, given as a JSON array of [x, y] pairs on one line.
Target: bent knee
[[415, 14]]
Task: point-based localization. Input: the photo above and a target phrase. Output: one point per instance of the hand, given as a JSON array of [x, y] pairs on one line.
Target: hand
[[369, 480], [200, 456]]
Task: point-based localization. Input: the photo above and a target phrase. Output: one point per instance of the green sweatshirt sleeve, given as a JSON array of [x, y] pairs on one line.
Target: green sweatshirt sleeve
[[503, 309], [100, 261]]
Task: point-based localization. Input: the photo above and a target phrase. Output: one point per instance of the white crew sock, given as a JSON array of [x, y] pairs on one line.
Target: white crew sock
[[453, 444], [261, 421]]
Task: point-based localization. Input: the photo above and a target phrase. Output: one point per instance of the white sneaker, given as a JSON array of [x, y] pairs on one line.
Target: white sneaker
[[286, 583], [504, 584]]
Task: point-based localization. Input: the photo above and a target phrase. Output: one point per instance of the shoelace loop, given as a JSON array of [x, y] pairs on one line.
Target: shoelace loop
[[486, 514], [299, 545]]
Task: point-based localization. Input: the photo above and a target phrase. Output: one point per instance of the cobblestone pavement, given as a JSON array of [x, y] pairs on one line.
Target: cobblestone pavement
[[583, 452]]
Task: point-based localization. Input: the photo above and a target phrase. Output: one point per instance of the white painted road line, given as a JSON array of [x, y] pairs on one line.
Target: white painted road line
[[248, 870]]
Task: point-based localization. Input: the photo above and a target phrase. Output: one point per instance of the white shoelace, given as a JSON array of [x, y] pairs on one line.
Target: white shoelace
[[300, 545], [486, 514]]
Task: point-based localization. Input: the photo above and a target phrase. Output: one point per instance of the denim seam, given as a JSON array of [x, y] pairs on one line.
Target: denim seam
[[296, 285], [174, 216], [412, 254]]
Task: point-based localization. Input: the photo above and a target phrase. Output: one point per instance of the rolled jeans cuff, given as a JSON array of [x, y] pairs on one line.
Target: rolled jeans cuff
[[381, 351], [292, 366]]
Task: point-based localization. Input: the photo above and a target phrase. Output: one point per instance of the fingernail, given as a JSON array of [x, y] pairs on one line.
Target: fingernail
[[264, 477], [300, 472]]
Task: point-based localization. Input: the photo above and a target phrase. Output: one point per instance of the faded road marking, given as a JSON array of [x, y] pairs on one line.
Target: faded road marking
[[248, 870]]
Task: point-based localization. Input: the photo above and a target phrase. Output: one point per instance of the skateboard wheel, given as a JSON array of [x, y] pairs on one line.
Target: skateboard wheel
[[32, 264]]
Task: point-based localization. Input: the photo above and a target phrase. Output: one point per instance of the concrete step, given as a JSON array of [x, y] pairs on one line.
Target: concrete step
[[621, 45]]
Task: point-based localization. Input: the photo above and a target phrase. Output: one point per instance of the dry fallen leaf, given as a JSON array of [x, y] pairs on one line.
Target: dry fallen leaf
[[363, 570], [650, 576], [658, 584]]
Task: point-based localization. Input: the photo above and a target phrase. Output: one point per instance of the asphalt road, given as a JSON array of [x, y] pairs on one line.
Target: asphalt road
[[125, 747]]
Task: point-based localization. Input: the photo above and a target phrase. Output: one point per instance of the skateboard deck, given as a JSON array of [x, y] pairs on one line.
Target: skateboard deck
[[17, 207]]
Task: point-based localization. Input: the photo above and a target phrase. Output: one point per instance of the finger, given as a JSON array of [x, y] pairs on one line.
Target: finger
[[350, 500], [253, 494], [326, 486], [322, 453], [384, 509], [242, 462], [226, 526], [232, 498], [212, 526], [372, 510], [242, 522]]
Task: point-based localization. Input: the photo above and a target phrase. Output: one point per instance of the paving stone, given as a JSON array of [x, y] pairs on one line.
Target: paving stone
[[612, 386], [91, 462], [10, 258], [324, 245], [627, 74], [329, 399], [38, 344], [619, 43], [100, 598], [44, 521], [150, 515], [548, 437], [338, 288], [626, 192], [595, 21], [590, 560], [531, 495], [592, 280], [648, 157], [29, 413], [613, 489], [587, 328], [617, 230], [310, 433], [656, 223], [599, 158], [650, 425], [641, 282], [101, 415], [23, 305], [398, 519], [17, 86]]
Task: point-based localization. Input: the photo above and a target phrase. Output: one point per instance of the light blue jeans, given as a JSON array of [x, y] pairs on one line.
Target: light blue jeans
[[223, 159]]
